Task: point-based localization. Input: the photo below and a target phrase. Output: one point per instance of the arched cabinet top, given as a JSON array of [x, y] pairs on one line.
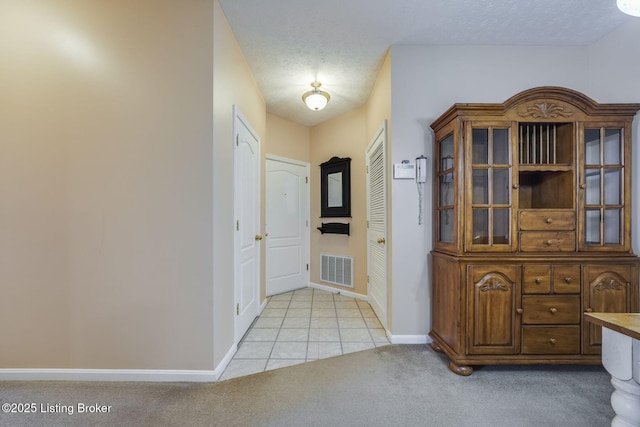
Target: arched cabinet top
[[544, 103]]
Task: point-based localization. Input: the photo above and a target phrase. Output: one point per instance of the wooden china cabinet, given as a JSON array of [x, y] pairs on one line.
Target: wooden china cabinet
[[532, 224]]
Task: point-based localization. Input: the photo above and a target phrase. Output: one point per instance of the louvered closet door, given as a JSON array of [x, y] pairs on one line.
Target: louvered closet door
[[377, 224]]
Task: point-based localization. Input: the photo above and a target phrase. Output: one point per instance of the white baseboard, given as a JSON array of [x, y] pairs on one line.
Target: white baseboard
[[109, 375], [225, 360], [338, 291], [408, 339], [119, 375]]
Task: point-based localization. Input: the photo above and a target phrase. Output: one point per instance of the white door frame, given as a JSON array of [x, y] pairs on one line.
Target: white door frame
[[381, 138], [240, 120], [307, 209]]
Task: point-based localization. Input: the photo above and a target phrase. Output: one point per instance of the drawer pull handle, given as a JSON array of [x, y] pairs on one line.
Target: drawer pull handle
[[589, 310], [568, 279], [548, 220], [519, 310], [538, 280], [553, 310], [552, 341], [548, 243], [516, 186]]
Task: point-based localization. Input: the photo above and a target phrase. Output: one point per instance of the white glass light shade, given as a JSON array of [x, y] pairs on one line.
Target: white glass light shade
[[630, 7], [316, 99]]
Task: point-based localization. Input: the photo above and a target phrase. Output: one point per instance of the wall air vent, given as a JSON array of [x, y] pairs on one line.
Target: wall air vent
[[336, 269]]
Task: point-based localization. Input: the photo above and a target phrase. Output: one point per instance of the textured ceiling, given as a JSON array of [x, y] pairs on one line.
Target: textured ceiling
[[341, 43]]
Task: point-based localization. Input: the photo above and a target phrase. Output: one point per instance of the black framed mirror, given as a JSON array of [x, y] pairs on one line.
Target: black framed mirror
[[335, 187]]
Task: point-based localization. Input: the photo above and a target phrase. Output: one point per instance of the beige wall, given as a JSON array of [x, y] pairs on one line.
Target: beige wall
[[348, 136], [378, 112], [344, 136], [427, 80], [379, 103], [233, 84], [106, 184], [288, 139]]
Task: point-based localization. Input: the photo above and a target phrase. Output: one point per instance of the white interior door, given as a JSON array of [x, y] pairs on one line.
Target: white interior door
[[377, 224], [247, 227], [287, 230]]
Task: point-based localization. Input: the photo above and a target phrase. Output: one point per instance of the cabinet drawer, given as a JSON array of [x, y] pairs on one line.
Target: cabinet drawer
[[550, 310], [566, 279], [536, 279], [547, 220], [551, 340], [547, 241]]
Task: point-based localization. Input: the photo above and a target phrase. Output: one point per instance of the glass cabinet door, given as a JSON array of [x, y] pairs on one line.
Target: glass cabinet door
[[603, 189], [446, 190], [489, 186]]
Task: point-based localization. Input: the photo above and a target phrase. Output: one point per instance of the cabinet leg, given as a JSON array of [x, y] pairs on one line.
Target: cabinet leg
[[464, 371], [435, 347], [625, 401]]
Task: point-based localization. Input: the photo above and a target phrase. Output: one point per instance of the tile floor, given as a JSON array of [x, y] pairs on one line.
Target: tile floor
[[302, 326]]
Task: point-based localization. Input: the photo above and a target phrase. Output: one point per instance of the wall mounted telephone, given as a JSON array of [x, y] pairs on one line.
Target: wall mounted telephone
[[421, 169]]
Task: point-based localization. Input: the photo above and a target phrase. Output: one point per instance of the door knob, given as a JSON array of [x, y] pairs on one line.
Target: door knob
[[381, 240], [258, 237]]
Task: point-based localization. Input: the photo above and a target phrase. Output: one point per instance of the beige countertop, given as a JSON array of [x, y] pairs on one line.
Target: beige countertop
[[625, 323]]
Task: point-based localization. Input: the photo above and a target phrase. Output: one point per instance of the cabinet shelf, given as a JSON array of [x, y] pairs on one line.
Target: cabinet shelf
[[334, 228]]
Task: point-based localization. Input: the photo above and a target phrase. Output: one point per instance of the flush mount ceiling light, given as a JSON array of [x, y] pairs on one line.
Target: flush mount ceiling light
[[630, 7], [316, 99]]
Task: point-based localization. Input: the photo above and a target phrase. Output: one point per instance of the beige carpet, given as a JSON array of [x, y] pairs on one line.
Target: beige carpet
[[388, 386]]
